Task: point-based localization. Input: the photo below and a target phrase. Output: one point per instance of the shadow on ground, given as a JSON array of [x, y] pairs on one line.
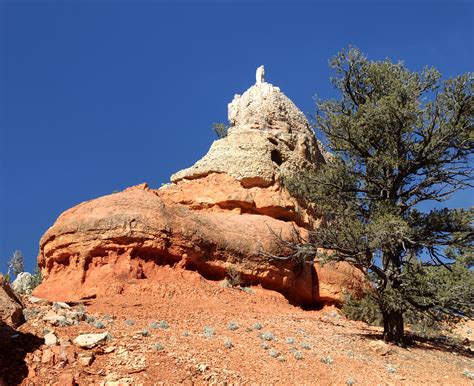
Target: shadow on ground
[[439, 343], [14, 346]]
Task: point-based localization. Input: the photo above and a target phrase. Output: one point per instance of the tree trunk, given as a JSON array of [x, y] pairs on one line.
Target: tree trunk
[[393, 327]]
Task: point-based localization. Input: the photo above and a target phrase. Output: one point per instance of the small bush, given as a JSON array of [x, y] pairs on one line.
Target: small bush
[[228, 343], [327, 360], [264, 345], [306, 346], [248, 290], [145, 333], [257, 326], [233, 276], [273, 353], [298, 355], [290, 340], [90, 319], [220, 129], [36, 278], [267, 336], [158, 347], [163, 324], [99, 324], [226, 283], [469, 374], [390, 368], [350, 382], [208, 331], [129, 322], [186, 333], [232, 326]]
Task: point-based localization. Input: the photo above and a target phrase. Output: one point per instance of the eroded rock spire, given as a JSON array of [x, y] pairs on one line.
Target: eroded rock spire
[[260, 75]]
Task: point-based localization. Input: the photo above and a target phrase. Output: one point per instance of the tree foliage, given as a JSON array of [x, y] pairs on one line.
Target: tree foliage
[[399, 139], [15, 264]]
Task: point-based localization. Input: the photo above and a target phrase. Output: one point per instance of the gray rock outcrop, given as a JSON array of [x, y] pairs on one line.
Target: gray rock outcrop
[[24, 283], [268, 137]]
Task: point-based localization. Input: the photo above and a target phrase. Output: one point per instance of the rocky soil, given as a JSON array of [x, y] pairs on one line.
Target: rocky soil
[[186, 329]]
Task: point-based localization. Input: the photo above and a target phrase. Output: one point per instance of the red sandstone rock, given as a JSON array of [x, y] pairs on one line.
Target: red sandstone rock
[[220, 214]]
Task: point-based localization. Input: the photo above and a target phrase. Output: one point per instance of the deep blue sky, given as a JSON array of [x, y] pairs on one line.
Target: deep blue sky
[[99, 96]]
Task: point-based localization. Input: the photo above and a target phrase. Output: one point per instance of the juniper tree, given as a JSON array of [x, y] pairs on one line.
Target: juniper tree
[[399, 139]]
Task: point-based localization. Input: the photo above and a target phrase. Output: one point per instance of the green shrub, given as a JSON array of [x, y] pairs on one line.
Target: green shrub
[[220, 129]]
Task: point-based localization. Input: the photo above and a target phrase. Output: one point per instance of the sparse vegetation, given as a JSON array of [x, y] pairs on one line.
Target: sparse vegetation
[[267, 336], [129, 322], [208, 331], [469, 374], [290, 340], [327, 360], [248, 290], [232, 326], [350, 382], [158, 347], [220, 129], [36, 278], [306, 346], [145, 333], [264, 345], [233, 276], [257, 326], [390, 368], [99, 324], [15, 265], [298, 355], [228, 343], [273, 353]]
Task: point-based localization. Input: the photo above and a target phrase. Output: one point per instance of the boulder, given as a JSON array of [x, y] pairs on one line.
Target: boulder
[[228, 212], [90, 340], [24, 283], [11, 308]]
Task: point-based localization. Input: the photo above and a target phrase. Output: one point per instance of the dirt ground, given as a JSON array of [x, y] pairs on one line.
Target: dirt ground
[[183, 329]]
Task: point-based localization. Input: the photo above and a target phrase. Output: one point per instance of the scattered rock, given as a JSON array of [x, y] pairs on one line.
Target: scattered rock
[[11, 308], [64, 354], [86, 359], [54, 319], [380, 347], [66, 379], [59, 305], [90, 340], [47, 356], [36, 300], [50, 339], [24, 283]]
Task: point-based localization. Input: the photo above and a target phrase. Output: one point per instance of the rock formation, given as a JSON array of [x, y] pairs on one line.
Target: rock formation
[[11, 309], [24, 283], [226, 212]]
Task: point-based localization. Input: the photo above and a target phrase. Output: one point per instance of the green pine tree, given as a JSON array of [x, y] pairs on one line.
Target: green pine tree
[[399, 139]]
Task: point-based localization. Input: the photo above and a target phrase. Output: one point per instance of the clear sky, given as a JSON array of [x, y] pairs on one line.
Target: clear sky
[[96, 96]]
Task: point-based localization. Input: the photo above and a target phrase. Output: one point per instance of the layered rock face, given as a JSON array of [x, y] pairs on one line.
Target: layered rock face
[[227, 212]]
